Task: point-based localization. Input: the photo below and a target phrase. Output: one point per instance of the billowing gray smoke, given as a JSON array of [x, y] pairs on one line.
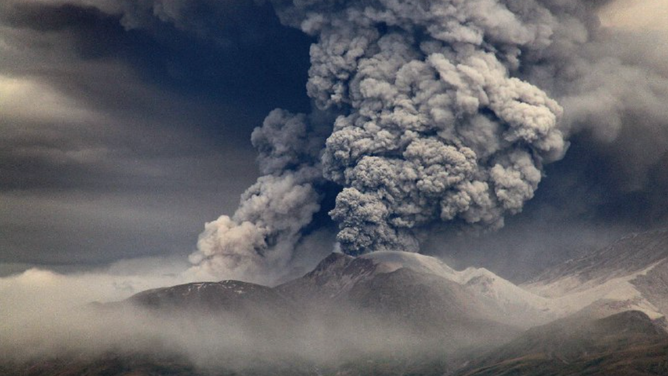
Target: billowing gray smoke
[[265, 229], [431, 113], [433, 125], [441, 116]]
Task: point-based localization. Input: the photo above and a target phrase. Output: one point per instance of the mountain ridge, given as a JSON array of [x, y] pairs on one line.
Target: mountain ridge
[[630, 273], [396, 313], [627, 343]]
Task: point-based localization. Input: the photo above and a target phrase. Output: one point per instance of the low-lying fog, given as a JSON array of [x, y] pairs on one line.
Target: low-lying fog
[[46, 315]]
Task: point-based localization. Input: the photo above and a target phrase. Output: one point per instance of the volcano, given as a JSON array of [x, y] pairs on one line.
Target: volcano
[[397, 313]]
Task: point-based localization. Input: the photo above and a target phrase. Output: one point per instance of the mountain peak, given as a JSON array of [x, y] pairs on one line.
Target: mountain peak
[[222, 295], [333, 276]]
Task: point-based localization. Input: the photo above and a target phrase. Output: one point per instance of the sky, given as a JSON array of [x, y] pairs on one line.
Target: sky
[[118, 142], [126, 126]]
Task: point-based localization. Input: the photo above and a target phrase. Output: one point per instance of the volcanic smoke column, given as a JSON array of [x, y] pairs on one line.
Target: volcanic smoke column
[[262, 234], [431, 125]]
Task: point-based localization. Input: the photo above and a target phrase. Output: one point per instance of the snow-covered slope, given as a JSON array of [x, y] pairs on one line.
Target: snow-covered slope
[[490, 296], [629, 255], [630, 274], [504, 300], [611, 296]]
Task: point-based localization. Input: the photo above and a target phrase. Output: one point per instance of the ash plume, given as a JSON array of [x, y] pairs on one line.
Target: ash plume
[[432, 112], [262, 234], [431, 125]]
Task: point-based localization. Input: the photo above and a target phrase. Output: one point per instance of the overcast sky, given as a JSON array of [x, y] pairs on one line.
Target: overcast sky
[[124, 129], [120, 142]]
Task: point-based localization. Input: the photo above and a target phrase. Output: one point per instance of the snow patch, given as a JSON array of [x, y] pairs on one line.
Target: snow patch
[[517, 304], [535, 302]]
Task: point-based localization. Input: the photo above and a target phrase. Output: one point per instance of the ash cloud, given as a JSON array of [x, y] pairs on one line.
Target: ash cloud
[[432, 115], [430, 125], [121, 142], [611, 82], [433, 122], [48, 320], [449, 112], [264, 231]]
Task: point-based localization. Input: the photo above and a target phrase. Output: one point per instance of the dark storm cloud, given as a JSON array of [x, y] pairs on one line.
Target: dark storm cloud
[[258, 53], [119, 140]]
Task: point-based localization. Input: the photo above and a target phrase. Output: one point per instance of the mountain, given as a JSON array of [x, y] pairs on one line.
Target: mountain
[[386, 314], [627, 343], [202, 297], [106, 365], [331, 279], [628, 255], [393, 284], [418, 295], [629, 274], [396, 313], [500, 299], [396, 276]]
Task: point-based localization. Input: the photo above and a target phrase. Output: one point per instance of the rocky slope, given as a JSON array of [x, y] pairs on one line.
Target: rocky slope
[[475, 292], [630, 274], [627, 343], [394, 313], [210, 296], [628, 255]]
